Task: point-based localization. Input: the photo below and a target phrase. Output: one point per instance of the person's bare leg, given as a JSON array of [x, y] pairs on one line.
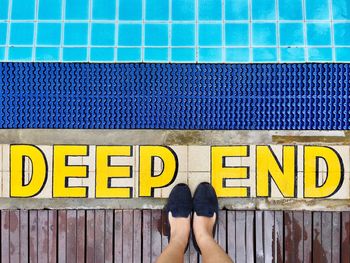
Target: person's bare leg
[[180, 231], [203, 231]]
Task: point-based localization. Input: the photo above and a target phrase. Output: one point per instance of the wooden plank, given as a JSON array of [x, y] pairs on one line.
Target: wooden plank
[[288, 237], [62, 236], [259, 237], [90, 235], [146, 230], [137, 253], [43, 236], [81, 236], [5, 236], [24, 241], [156, 235], [128, 234], [14, 235], [71, 236], [307, 237], [109, 236], [231, 234], [164, 233], [335, 237], [99, 235], [318, 252], [52, 215], [326, 235], [222, 229], [250, 236], [33, 236], [240, 239], [118, 235], [279, 245], [269, 236], [345, 237]]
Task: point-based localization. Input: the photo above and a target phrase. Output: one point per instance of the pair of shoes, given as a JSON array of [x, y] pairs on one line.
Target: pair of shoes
[[204, 203]]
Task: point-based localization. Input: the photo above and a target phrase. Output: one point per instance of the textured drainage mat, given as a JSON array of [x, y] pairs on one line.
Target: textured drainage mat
[[175, 96]]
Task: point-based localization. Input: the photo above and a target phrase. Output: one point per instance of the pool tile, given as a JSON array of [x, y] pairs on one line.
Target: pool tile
[[157, 9], [317, 9], [318, 34], [210, 55], [75, 34], [342, 54], [319, 54], [130, 9], [156, 35], [129, 54], [50, 9], [183, 54], [129, 34], [264, 34], [210, 35], [3, 32], [156, 55], [342, 34], [102, 34], [183, 10], [77, 9], [21, 34], [264, 54], [236, 10], [240, 55], [47, 54], [182, 34], [209, 10], [292, 54], [2, 53], [341, 9], [75, 54], [23, 9], [102, 54], [48, 34], [263, 10], [20, 54], [291, 34], [289, 11], [237, 34], [100, 12], [4, 9]]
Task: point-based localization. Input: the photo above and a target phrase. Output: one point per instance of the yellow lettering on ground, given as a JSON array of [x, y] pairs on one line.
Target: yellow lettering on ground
[[39, 168]]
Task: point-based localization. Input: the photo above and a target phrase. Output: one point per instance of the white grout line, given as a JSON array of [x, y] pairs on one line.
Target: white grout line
[[62, 29], [277, 27], [223, 48], [89, 31], [196, 37], [170, 17], [143, 31], [330, 4], [306, 51], [250, 31], [116, 32], [7, 49], [36, 17]]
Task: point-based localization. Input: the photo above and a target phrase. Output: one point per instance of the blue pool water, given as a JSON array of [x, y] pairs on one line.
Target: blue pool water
[[220, 31]]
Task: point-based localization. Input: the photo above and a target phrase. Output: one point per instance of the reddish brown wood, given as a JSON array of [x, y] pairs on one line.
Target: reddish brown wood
[[156, 234], [90, 236], [345, 237], [5, 236], [118, 235], [14, 235], [335, 237], [128, 234], [43, 236], [269, 236], [108, 236], [52, 243], [24, 251], [33, 236], [62, 236], [293, 237], [307, 236], [71, 236], [146, 238], [164, 233], [279, 245], [99, 235], [318, 252], [137, 253], [81, 236]]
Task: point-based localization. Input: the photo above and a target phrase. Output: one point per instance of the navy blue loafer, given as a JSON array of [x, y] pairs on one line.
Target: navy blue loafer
[[179, 204], [205, 203]]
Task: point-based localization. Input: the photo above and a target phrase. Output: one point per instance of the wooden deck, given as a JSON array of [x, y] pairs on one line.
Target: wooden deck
[[136, 236]]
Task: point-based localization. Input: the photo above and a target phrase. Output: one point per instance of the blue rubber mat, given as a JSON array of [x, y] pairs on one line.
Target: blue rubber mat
[[175, 96]]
